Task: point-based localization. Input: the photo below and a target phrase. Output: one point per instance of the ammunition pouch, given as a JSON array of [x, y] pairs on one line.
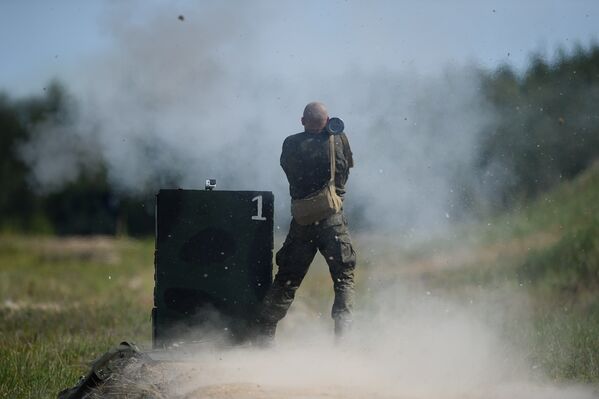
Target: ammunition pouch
[[318, 206]]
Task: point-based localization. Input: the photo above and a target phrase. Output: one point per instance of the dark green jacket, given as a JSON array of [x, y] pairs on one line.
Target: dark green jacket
[[305, 160]]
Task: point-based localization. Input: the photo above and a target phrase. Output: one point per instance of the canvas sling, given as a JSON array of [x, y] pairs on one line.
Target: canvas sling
[[321, 204]]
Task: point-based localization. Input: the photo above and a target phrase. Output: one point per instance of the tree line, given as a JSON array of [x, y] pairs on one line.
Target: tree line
[[548, 125], [547, 130]]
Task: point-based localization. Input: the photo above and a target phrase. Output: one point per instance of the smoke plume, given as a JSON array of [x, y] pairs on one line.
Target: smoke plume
[[176, 101]]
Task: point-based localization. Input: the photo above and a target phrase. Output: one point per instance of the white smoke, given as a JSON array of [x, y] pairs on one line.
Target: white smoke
[[177, 101]]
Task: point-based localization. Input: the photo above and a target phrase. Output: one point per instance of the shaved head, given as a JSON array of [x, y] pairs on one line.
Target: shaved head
[[315, 117]]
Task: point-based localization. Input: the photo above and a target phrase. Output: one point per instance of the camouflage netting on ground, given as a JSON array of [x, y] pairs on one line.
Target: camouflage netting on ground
[[134, 378]]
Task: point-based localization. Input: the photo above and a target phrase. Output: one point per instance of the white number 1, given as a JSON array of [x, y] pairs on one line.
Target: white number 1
[[258, 216]]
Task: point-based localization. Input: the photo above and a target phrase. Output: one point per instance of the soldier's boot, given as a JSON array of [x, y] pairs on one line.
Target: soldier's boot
[[265, 334], [342, 328]]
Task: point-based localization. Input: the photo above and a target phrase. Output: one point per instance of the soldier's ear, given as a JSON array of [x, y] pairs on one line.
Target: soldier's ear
[[303, 124]]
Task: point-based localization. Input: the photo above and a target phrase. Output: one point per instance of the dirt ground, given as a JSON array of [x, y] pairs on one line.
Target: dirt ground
[[199, 380]]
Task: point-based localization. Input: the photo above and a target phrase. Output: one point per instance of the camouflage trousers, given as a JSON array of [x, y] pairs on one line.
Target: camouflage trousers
[[330, 237]]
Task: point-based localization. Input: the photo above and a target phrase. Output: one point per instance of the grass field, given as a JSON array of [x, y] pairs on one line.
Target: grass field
[[64, 301]]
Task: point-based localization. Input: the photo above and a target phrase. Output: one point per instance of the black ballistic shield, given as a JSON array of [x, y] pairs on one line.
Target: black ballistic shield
[[213, 263]]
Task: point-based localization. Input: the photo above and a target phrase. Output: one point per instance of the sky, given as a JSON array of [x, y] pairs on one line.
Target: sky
[[44, 39]]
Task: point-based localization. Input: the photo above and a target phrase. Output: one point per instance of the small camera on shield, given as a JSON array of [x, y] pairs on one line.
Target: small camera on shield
[[210, 184]]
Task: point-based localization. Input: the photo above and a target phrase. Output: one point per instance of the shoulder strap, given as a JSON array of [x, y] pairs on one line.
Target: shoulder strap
[[332, 156], [347, 150]]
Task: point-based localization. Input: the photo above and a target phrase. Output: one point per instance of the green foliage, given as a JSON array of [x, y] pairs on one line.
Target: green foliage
[[570, 266], [547, 125], [19, 207], [86, 206]]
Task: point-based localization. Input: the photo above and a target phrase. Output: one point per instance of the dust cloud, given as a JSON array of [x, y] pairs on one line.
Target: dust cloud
[[414, 345]]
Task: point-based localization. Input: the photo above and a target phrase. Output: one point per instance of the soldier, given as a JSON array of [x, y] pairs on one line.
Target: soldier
[[305, 159]]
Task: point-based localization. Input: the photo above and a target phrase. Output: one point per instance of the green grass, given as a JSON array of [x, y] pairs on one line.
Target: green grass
[[63, 302], [549, 249], [569, 267]]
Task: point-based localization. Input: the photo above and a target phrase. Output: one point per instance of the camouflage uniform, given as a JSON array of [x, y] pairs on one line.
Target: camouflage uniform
[[305, 160]]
